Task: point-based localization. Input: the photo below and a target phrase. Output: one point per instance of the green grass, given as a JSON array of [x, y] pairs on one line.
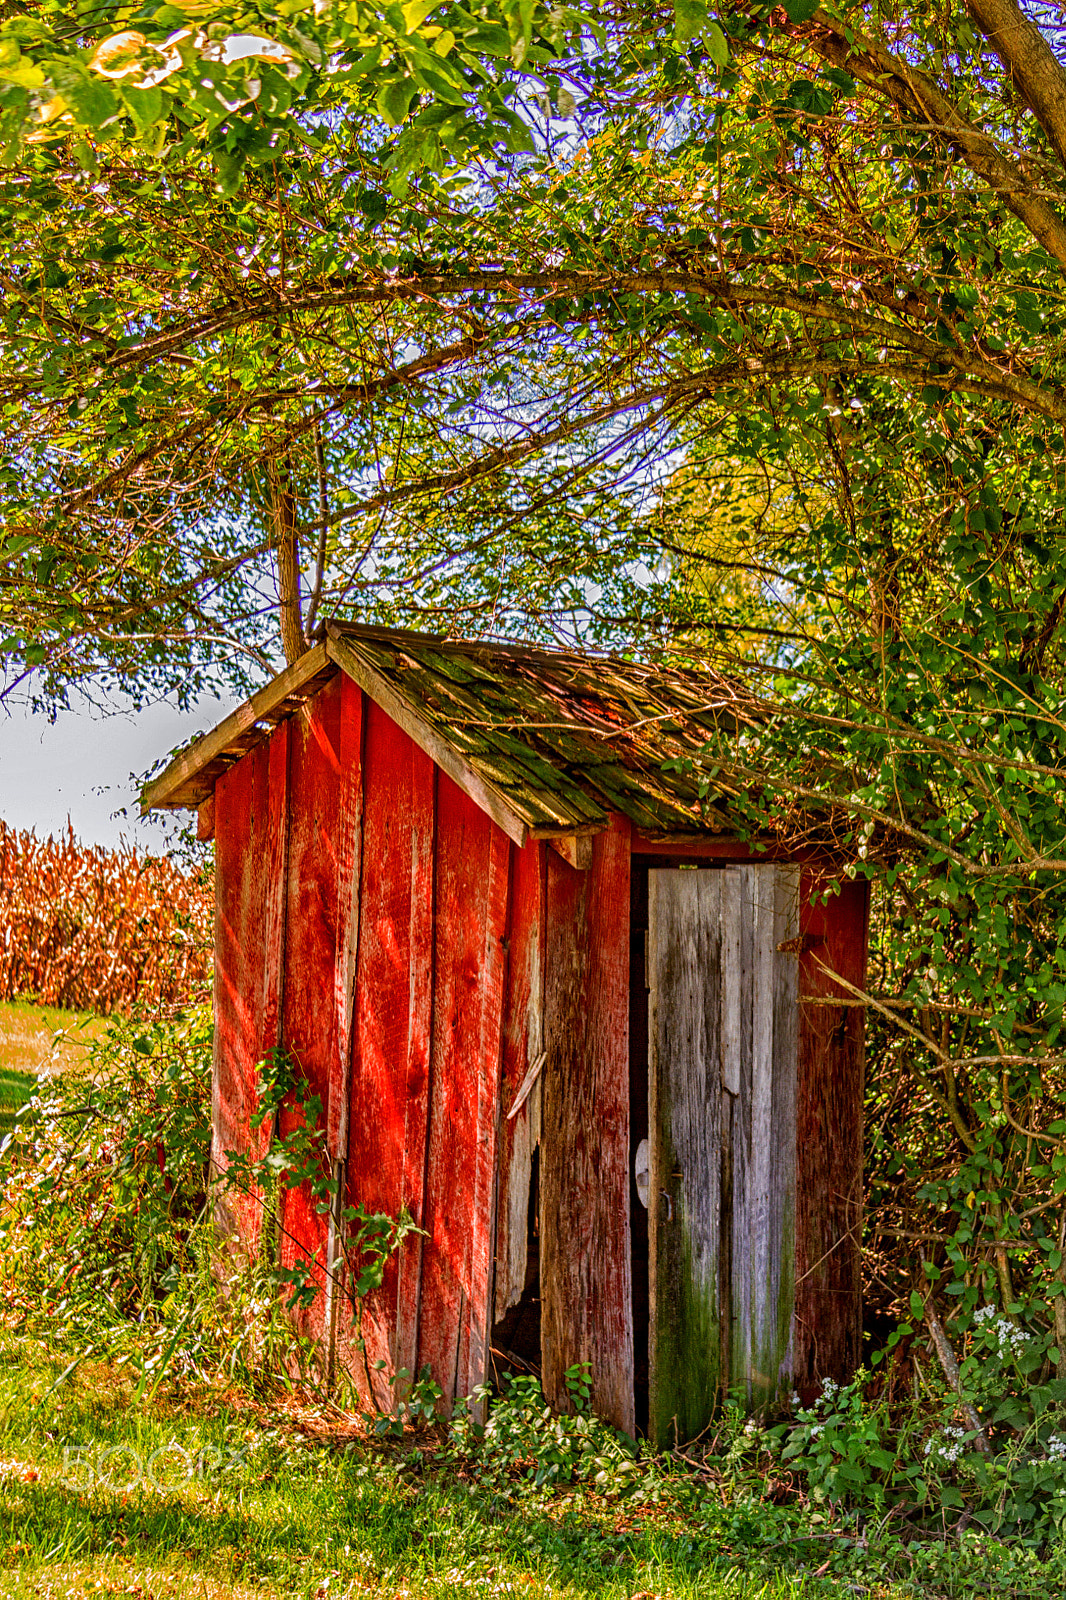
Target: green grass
[[202, 1494], [28, 1042], [15, 1090], [298, 1504], [36, 1039]]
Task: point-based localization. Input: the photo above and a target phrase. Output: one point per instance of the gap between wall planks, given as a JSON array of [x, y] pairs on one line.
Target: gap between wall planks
[[523, 1042], [586, 1270]]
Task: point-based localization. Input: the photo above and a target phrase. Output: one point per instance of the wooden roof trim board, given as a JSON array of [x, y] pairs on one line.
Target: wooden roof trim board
[[426, 736], [177, 786], [528, 734]]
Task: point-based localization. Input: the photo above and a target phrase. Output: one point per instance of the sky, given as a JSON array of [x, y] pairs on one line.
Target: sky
[[85, 765]]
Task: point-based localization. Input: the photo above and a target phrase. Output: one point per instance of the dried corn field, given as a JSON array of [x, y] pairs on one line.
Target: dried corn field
[[101, 930]]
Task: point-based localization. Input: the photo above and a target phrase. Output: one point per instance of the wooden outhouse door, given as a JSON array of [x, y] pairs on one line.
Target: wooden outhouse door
[[721, 1181]]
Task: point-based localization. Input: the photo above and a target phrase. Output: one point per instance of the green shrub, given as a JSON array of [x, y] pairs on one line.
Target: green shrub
[[107, 1246]]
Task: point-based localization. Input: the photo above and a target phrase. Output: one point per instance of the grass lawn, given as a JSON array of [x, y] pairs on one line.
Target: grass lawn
[[28, 1042], [203, 1496]]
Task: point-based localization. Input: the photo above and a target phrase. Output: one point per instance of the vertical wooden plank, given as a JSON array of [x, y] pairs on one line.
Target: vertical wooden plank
[[732, 1259], [586, 1271], [472, 1369], [523, 1046], [777, 1343], [275, 866], [685, 1078], [419, 1048], [830, 1129], [472, 875], [349, 864], [238, 971], [389, 1081], [739, 898], [771, 1164], [251, 832], [309, 1014]]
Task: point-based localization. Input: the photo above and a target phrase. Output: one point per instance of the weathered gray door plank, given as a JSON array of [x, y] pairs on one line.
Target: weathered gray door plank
[[763, 1339], [684, 1202]]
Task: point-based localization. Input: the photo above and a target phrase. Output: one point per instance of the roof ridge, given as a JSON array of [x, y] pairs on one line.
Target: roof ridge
[[521, 648]]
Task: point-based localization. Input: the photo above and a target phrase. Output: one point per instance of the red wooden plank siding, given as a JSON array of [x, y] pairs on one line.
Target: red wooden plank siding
[[586, 1308], [523, 1042], [349, 861], [828, 1326], [310, 1022], [472, 860], [419, 1044], [390, 1029], [249, 866], [349, 872]]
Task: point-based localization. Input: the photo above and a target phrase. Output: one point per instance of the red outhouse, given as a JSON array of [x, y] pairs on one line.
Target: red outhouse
[[602, 1048]]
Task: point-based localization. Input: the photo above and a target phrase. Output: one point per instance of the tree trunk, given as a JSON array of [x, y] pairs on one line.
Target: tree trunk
[[287, 550]]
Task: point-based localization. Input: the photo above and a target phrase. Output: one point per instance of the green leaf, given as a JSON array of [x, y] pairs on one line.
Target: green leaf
[[394, 98], [691, 17], [717, 47], [90, 97]]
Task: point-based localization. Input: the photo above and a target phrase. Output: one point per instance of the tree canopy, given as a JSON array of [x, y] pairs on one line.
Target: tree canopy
[[449, 344]]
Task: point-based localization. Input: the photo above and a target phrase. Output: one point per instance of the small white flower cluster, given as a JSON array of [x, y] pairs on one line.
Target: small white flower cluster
[[829, 1389], [1056, 1447], [1011, 1340], [751, 1427], [947, 1448]]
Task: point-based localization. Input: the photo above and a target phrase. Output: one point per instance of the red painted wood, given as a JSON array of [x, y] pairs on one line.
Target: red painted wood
[[391, 1022], [472, 857], [523, 1043], [419, 1047], [249, 915], [309, 1015], [709, 848], [714, 848], [586, 1307], [828, 1326], [349, 862], [275, 861], [472, 1368]]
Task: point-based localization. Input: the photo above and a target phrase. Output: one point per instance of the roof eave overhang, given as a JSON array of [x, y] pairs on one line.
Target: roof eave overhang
[[190, 778]]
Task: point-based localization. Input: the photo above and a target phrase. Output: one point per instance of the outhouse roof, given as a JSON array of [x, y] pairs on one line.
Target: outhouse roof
[[548, 741]]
